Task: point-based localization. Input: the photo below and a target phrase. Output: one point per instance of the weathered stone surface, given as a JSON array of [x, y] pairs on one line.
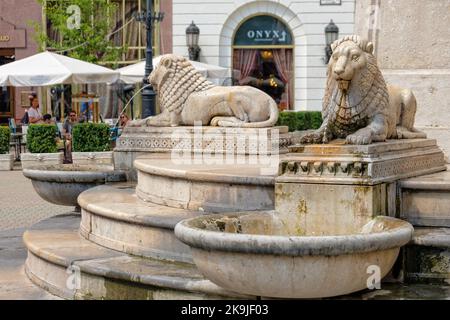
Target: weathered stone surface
[[330, 208], [338, 163], [278, 263], [209, 188], [6, 162], [425, 200], [30, 160], [99, 273], [358, 106], [180, 142], [62, 184], [428, 256], [412, 59], [93, 158], [114, 217], [187, 98]]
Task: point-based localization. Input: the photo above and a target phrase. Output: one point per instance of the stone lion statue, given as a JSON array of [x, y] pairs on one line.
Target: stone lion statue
[[358, 105], [185, 97]]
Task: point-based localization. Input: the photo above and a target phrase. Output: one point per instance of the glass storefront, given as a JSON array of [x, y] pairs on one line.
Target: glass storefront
[[263, 58]]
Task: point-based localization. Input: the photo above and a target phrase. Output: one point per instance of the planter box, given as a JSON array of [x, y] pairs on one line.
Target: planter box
[[6, 162], [40, 159], [97, 158]]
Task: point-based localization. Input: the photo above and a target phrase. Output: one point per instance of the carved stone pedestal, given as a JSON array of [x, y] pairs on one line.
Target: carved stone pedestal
[[137, 141], [336, 185]]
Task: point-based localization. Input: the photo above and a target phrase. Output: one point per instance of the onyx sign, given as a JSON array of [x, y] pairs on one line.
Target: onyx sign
[[262, 31]]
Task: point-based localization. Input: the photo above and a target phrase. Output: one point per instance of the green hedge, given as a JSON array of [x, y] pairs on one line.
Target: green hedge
[[5, 135], [300, 120], [41, 138], [91, 137]]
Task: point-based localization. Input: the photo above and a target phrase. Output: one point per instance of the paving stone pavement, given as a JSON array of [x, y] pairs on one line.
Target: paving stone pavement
[[20, 205], [14, 284]]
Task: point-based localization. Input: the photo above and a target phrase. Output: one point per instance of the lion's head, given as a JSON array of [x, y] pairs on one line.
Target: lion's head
[[351, 55], [174, 79]]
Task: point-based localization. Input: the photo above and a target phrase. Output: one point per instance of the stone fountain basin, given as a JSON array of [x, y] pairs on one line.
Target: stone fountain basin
[[251, 253], [62, 184]]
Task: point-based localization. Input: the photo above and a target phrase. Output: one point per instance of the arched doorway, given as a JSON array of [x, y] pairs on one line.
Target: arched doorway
[[263, 58]]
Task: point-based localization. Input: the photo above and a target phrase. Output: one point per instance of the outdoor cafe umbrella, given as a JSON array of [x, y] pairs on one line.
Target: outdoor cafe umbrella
[[48, 69], [135, 73]]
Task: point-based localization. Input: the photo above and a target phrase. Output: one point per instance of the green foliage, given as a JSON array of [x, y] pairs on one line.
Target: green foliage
[[300, 120], [91, 137], [90, 41], [41, 138], [5, 135]]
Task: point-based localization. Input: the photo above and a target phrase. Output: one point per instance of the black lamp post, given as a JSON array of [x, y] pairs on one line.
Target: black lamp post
[[331, 35], [192, 35], [148, 94]]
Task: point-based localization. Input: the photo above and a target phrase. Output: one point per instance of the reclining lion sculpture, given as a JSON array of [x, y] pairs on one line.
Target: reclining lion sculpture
[[358, 105], [186, 97]]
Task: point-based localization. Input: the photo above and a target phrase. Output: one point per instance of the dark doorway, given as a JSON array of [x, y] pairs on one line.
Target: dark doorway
[[6, 93]]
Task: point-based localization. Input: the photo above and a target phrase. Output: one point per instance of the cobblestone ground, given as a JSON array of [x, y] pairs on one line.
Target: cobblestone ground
[[20, 205]]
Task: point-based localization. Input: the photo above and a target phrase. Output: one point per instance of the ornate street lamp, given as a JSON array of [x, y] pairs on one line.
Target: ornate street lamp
[[192, 35], [331, 35], [148, 94]]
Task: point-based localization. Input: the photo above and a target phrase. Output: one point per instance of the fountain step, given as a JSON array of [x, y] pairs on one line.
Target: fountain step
[[114, 217], [207, 187], [62, 262], [428, 256], [425, 200]]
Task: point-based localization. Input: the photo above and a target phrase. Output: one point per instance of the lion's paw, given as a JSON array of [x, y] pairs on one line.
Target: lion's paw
[[360, 137], [137, 123], [215, 122]]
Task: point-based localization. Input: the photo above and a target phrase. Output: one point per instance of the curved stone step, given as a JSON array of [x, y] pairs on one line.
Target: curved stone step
[[209, 188], [65, 264], [116, 218], [425, 200]]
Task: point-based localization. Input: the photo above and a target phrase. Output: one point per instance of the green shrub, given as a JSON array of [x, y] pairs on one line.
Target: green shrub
[[41, 138], [5, 135], [300, 120], [91, 137]]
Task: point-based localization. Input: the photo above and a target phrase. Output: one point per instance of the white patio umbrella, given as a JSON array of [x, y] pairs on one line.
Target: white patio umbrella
[[135, 73], [48, 68]]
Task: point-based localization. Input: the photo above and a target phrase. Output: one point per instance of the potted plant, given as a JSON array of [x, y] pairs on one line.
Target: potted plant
[[41, 143], [92, 144], [6, 158]]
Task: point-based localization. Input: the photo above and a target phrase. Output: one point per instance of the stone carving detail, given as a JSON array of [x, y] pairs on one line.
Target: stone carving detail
[[358, 105], [154, 143], [186, 98], [364, 169]]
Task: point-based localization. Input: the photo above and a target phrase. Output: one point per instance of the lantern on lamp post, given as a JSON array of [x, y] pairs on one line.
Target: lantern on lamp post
[[192, 36], [331, 35]]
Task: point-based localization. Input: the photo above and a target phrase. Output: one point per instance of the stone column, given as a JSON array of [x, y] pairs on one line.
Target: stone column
[[412, 41]]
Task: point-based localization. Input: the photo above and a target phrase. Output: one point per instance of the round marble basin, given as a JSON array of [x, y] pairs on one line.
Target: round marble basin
[[62, 184], [251, 253]]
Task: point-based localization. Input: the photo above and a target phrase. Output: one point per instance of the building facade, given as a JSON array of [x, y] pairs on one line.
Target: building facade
[[17, 41], [277, 46]]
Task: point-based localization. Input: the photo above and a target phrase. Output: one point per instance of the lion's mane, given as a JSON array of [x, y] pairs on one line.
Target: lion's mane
[[179, 82]]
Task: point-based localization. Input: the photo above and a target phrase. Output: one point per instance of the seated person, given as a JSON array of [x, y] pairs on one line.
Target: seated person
[[47, 118], [123, 120]]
